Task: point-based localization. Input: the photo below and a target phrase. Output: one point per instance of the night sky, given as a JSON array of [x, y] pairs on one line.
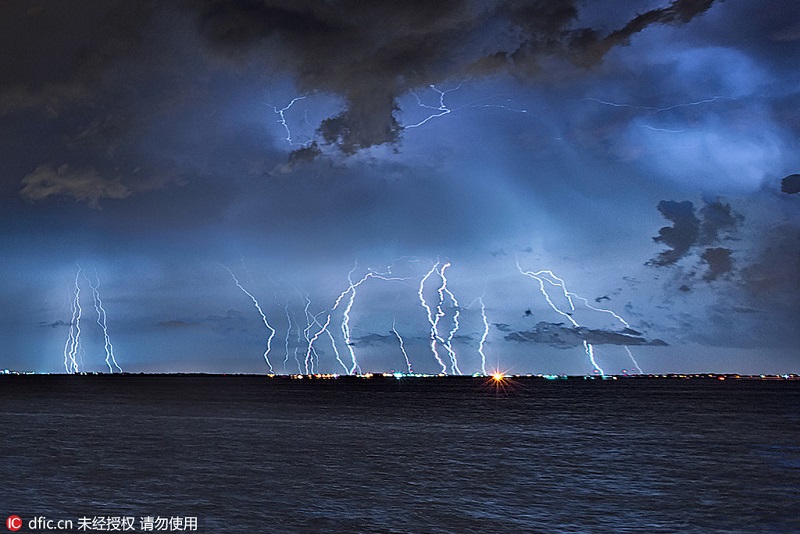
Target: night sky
[[648, 155]]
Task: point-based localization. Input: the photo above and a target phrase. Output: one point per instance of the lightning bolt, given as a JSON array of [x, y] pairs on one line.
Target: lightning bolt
[[482, 341], [310, 351], [589, 348], [336, 350], [601, 310], [323, 328], [299, 340], [402, 345], [433, 322], [102, 322], [81, 354], [282, 119], [443, 109], [448, 344], [352, 290], [306, 331], [541, 277], [662, 129], [72, 346], [635, 363], [288, 332], [586, 303], [653, 108], [263, 317]]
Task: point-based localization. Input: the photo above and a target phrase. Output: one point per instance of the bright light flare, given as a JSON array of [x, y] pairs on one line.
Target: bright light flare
[[500, 383]]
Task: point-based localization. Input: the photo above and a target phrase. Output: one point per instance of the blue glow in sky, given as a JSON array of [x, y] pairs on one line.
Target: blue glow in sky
[[642, 156]]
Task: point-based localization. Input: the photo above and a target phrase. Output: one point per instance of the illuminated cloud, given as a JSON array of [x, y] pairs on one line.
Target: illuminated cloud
[[371, 53], [692, 102]]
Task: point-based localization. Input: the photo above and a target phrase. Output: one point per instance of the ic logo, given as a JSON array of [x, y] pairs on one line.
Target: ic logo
[[14, 523]]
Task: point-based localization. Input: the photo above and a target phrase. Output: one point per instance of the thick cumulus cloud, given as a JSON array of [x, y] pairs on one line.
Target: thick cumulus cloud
[[113, 73], [369, 54], [372, 53]]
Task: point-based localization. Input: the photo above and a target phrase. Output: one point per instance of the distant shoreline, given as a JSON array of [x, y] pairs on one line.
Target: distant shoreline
[[406, 376]]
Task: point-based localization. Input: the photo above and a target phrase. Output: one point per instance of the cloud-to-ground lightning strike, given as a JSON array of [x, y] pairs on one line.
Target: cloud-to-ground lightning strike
[[431, 320], [282, 119], [309, 323], [263, 317], [570, 295], [448, 344], [310, 351], [345, 326], [443, 109], [434, 318], [485, 334], [541, 277], [72, 346], [402, 344], [297, 346], [635, 363], [549, 277], [288, 332], [336, 350], [102, 322]]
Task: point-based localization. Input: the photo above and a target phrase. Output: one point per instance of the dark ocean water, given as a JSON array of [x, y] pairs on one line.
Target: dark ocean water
[[252, 455]]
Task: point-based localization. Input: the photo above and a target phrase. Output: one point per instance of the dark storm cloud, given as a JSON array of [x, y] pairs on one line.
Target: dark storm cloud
[[85, 185], [560, 336], [370, 53], [719, 262], [791, 184], [55, 55], [679, 237], [110, 94], [717, 222], [589, 48], [114, 74]]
